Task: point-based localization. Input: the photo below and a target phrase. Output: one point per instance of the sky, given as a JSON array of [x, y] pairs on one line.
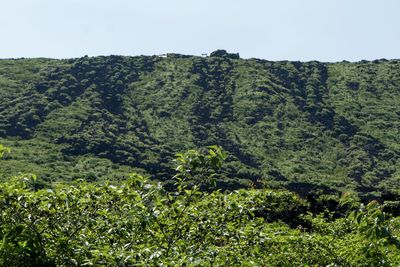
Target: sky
[[324, 30]]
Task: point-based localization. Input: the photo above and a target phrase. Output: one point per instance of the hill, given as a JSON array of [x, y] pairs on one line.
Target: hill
[[310, 127]]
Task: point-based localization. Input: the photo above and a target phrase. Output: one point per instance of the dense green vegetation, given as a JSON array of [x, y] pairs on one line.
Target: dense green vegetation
[[310, 127], [138, 223]]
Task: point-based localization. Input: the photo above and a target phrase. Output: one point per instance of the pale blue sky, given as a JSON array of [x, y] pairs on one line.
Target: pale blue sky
[[325, 30]]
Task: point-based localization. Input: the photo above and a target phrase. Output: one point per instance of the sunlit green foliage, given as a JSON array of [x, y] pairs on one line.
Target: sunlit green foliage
[[138, 223], [3, 150]]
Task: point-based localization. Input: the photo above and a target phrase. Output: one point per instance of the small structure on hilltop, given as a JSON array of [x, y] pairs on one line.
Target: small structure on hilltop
[[224, 54]]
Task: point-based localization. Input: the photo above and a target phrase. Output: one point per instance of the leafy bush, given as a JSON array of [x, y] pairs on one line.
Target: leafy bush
[[137, 222]]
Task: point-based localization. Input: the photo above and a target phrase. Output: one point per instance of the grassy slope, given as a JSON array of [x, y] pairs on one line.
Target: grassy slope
[[310, 127]]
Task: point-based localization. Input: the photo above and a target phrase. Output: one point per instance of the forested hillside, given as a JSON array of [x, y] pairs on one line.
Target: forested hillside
[[310, 127]]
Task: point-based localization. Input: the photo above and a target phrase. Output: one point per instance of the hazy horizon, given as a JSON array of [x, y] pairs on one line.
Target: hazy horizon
[[328, 31], [293, 60]]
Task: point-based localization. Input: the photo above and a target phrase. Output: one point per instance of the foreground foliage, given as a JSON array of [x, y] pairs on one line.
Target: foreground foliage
[[138, 223]]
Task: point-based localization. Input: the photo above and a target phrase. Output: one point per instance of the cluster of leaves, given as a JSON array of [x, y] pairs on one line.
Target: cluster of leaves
[[138, 223], [315, 128], [3, 150]]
